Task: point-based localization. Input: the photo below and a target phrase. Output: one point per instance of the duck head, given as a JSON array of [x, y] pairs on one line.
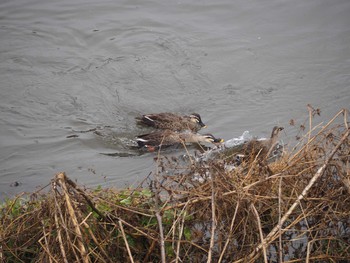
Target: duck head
[[196, 118]]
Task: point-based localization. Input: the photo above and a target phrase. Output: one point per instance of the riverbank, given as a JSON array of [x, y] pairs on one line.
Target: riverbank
[[290, 209]]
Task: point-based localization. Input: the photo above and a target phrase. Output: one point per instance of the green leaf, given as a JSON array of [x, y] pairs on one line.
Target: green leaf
[[146, 193], [126, 201], [187, 233]]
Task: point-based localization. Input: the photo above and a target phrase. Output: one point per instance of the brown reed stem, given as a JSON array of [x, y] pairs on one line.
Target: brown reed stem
[[125, 241], [63, 224], [46, 246], [310, 109], [161, 236], [346, 112], [60, 242], [86, 197], [280, 252], [181, 228], [157, 214], [61, 179], [316, 136], [230, 234], [213, 218], [263, 243]]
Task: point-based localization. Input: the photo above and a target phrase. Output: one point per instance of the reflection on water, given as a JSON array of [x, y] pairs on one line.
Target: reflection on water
[[94, 66]]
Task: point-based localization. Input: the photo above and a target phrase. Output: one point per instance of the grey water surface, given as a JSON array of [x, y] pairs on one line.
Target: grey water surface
[[74, 74]]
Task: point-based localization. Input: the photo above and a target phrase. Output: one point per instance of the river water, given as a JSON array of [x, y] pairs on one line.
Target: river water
[[73, 66]]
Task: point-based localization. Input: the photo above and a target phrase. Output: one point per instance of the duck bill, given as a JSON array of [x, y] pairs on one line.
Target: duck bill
[[219, 140], [202, 125]]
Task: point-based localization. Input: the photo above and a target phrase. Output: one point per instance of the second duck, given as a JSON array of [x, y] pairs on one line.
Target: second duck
[[171, 121], [165, 138]]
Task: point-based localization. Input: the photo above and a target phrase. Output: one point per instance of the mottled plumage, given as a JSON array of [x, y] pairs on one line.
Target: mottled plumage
[[166, 138], [171, 121], [262, 147]]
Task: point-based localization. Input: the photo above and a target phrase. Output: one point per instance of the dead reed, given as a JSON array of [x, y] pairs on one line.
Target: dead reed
[[294, 209]]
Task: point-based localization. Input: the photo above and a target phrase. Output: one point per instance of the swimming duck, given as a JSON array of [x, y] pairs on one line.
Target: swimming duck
[[171, 121], [165, 138]]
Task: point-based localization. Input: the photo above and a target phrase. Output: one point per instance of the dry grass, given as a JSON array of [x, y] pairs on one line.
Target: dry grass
[[295, 209]]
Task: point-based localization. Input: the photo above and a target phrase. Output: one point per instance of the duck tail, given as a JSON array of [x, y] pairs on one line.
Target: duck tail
[[141, 142], [145, 120]]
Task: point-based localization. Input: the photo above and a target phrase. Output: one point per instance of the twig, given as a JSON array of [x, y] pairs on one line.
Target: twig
[[1, 252], [308, 249], [61, 178], [162, 246], [213, 222], [263, 243], [126, 241], [346, 179], [157, 214], [59, 234], [346, 118], [316, 136], [46, 247], [310, 109], [135, 228], [87, 199], [63, 221], [150, 250], [98, 243], [181, 228], [188, 154], [253, 164], [280, 252], [230, 234]]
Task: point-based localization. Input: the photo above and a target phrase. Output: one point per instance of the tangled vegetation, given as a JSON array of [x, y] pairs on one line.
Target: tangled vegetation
[[293, 209]]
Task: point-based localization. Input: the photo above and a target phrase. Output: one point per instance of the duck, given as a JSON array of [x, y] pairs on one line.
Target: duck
[[173, 122], [263, 147], [165, 138], [274, 136]]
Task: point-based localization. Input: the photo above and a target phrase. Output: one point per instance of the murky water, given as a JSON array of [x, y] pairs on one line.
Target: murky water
[[73, 66]]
